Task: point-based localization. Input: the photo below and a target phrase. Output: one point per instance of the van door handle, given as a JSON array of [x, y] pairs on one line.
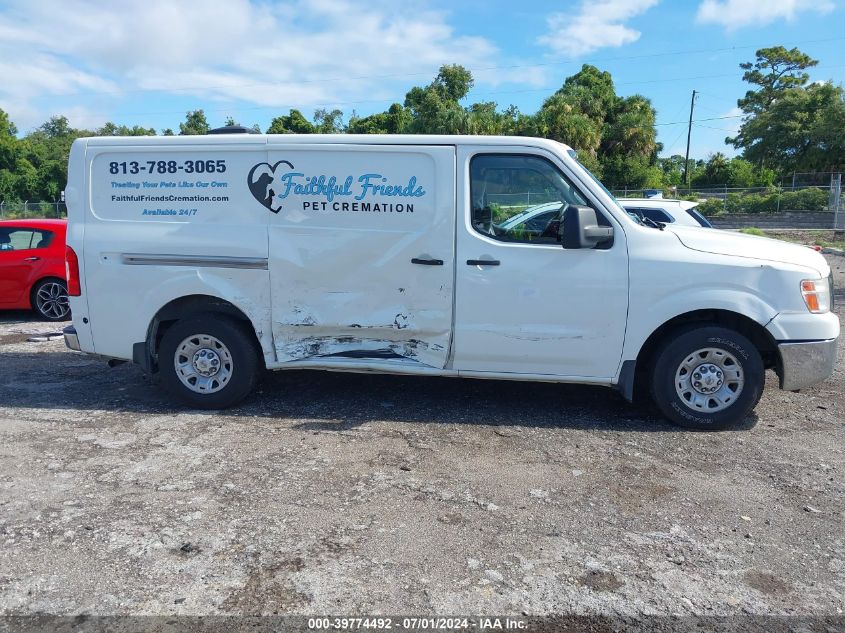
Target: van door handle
[[483, 262], [31, 259], [427, 262]]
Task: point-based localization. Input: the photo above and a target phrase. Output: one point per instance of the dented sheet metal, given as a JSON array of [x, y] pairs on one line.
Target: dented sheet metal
[[343, 284]]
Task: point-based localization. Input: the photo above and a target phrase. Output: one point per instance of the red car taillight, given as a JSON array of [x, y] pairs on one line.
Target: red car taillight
[[72, 272]]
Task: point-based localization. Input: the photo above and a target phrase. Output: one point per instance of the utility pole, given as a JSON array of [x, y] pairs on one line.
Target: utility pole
[[689, 134]]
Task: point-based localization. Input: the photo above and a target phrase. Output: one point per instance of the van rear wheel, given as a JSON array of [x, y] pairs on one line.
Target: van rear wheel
[[208, 362], [707, 378]]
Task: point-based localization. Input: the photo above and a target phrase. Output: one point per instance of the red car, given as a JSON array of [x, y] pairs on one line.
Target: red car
[[32, 267]]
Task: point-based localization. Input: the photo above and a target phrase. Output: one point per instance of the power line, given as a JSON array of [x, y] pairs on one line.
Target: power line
[[722, 129], [715, 118], [282, 106], [668, 148], [426, 73]]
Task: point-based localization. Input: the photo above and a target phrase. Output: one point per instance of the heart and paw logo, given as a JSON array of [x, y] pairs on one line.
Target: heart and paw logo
[[260, 180]]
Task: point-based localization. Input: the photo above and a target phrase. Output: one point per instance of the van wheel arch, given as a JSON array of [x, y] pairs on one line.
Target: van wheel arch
[[634, 381], [146, 353]]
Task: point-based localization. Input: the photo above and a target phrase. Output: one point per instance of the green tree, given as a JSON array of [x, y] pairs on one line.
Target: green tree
[[453, 82], [774, 71], [395, 121], [801, 131], [112, 129], [592, 90], [329, 121], [790, 125], [26, 181], [41, 165], [629, 146], [614, 136], [56, 127], [10, 152], [292, 123], [435, 109], [195, 124], [673, 169], [716, 171], [7, 128]]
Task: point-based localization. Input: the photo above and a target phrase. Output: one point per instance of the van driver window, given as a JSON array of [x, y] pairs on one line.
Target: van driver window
[[519, 198]]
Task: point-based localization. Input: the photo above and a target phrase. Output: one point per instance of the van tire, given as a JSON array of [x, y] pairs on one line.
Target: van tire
[[696, 356], [224, 339]]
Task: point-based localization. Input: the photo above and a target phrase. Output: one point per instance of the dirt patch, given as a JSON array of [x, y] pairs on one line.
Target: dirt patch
[[356, 493], [600, 581], [766, 582], [268, 590]]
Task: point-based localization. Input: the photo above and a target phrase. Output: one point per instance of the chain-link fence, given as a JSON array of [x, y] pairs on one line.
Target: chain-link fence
[[31, 210], [748, 199], [802, 202], [803, 195]]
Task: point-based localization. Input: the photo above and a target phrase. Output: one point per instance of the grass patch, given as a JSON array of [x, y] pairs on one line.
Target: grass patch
[[823, 238], [840, 244]]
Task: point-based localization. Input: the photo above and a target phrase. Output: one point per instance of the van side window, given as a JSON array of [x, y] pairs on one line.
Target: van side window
[[519, 198]]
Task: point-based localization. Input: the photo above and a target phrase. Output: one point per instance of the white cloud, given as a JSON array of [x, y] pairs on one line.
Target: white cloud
[[291, 52], [597, 24], [735, 14]]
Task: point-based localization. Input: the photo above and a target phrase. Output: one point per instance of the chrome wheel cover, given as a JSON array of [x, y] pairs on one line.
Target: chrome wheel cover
[[709, 380], [51, 300], [203, 363]]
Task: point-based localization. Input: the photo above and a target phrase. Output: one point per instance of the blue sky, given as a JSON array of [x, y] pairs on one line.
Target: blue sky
[[148, 62]]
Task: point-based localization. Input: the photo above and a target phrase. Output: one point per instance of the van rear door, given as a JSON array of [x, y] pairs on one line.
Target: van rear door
[[361, 251]]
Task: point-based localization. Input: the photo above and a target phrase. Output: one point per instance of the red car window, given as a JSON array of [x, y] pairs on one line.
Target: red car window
[[21, 238], [42, 239]]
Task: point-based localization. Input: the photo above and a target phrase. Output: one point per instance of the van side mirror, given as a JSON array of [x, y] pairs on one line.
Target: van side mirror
[[580, 228]]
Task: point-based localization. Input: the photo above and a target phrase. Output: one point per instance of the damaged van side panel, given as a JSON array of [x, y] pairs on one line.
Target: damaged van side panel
[[346, 223]]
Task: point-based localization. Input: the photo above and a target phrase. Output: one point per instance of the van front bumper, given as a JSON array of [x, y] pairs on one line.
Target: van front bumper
[[806, 363], [71, 339]]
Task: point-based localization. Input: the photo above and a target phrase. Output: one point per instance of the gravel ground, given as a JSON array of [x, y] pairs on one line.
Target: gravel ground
[[344, 493]]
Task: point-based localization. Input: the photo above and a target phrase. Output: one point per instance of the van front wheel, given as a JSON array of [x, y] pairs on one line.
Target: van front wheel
[[707, 378], [209, 362]]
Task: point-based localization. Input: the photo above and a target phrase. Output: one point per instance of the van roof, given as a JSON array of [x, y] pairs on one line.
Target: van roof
[[326, 139]]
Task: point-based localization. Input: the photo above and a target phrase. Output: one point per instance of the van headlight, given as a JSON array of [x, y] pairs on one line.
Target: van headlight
[[816, 293]]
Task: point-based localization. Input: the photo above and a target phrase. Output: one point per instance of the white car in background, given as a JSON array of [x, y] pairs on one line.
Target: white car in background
[[535, 220], [666, 210]]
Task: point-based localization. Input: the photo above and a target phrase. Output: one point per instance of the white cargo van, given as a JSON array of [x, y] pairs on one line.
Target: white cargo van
[[207, 259]]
